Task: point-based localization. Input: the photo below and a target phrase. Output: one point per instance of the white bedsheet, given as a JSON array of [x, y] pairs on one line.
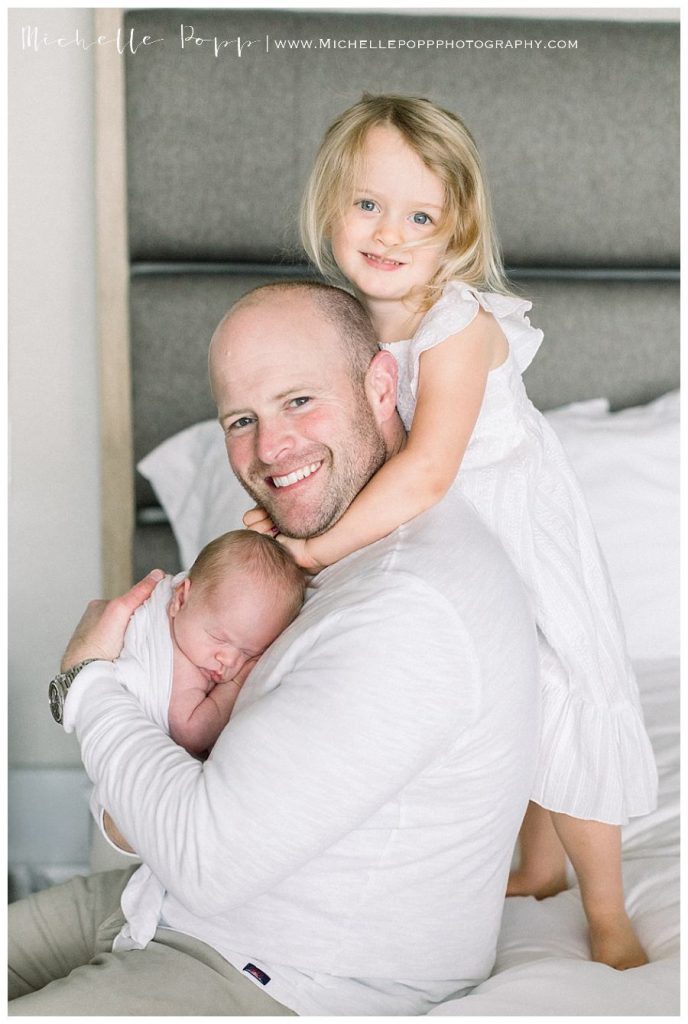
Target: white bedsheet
[[542, 966]]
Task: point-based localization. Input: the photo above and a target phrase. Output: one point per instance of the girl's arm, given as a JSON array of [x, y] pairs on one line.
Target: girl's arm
[[451, 386]]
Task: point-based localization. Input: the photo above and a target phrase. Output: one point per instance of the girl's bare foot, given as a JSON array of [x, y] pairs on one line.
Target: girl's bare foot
[[537, 883], [613, 941], [542, 869]]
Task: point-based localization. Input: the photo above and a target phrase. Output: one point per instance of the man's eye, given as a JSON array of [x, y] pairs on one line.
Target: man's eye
[[243, 421], [421, 218], [367, 205], [296, 403]]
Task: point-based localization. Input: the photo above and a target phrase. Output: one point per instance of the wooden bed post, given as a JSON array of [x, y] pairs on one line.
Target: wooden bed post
[[117, 471]]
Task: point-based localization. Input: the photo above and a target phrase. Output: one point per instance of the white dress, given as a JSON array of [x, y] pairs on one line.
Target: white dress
[[595, 759]]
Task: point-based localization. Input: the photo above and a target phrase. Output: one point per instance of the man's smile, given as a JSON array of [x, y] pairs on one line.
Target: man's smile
[[295, 476]]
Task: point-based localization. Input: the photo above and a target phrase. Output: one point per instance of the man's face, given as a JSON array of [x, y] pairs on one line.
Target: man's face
[[300, 437]]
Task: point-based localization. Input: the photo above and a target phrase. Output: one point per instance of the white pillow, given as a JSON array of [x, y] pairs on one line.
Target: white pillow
[[627, 463], [191, 475], [628, 466]]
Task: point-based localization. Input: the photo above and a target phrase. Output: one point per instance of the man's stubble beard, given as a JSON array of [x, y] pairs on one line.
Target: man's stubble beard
[[365, 454]]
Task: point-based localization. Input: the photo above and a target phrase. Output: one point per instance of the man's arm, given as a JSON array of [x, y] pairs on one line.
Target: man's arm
[[100, 634], [381, 689]]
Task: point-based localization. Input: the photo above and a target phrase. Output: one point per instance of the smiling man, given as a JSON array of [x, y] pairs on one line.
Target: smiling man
[[345, 848], [309, 438]]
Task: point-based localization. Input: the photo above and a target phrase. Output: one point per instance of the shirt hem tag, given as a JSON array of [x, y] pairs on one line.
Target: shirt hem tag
[[256, 973]]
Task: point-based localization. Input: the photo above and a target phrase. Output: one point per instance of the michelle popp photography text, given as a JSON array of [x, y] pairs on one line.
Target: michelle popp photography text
[[189, 41]]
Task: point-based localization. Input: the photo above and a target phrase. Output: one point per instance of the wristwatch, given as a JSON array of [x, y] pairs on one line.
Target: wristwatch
[[59, 687]]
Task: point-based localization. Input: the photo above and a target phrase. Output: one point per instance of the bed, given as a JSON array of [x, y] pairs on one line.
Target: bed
[[581, 149]]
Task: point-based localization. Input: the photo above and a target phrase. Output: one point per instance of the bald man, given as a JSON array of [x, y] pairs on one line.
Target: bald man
[[345, 848]]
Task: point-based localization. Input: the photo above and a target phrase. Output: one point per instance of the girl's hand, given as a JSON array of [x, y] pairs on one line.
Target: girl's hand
[[259, 521], [301, 553]]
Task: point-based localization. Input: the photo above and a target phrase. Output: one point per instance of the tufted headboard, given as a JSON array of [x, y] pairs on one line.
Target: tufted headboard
[[580, 144]]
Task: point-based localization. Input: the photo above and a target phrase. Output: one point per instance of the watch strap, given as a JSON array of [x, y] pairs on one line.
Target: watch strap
[[58, 688]]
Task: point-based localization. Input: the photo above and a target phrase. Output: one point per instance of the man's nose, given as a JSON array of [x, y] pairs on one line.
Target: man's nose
[[275, 440]]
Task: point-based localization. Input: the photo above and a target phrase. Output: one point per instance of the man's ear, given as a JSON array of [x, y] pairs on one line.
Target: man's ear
[[181, 593], [381, 385]]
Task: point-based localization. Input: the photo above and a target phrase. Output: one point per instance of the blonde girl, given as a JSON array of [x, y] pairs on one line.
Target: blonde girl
[[397, 206]]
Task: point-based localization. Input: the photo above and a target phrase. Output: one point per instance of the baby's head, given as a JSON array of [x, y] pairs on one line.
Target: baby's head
[[446, 147], [241, 592]]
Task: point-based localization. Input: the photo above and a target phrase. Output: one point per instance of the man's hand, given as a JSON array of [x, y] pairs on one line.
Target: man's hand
[[101, 629], [115, 835]]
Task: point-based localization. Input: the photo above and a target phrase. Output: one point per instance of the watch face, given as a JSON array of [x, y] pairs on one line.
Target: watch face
[[55, 698]]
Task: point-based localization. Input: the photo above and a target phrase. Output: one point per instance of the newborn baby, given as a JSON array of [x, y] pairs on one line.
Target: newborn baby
[[186, 652], [189, 647]]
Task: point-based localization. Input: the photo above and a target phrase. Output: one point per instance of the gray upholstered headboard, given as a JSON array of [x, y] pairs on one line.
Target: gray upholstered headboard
[[580, 145]]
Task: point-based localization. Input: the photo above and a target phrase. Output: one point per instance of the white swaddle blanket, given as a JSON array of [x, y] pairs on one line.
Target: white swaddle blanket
[[145, 669]]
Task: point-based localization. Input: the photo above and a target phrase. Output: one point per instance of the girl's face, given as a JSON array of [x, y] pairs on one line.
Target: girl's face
[[398, 200]]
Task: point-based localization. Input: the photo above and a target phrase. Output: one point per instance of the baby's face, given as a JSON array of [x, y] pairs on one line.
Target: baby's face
[[220, 628]]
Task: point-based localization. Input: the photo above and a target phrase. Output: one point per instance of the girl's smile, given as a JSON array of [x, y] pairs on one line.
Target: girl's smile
[[381, 262]]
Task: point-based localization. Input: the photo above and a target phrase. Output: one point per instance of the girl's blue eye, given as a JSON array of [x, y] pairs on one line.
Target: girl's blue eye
[[366, 205], [421, 218]]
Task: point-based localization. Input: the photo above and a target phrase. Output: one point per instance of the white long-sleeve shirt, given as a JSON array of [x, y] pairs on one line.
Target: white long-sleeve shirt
[[351, 833]]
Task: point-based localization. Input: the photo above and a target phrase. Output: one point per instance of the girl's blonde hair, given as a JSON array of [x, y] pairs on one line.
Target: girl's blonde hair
[[445, 145]]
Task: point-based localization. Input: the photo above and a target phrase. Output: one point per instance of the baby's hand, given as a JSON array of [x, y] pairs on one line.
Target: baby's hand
[[258, 520], [301, 553]]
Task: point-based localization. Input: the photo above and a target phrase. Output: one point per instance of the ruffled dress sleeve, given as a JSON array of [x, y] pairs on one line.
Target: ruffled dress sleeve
[[457, 308]]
